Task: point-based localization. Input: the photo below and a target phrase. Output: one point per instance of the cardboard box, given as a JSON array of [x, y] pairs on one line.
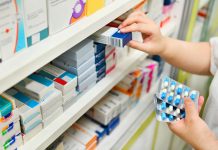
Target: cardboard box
[[36, 86], [63, 80], [27, 107], [86, 74], [73, 10], [87, 83], [82, 136], [94, 5], [32, 133], [70, 143], [28, 127], [12, 35], [75, 70], [52, 116], [35, 19]]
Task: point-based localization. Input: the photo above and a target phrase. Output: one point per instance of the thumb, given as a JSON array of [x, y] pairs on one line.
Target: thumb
[[190, 109]]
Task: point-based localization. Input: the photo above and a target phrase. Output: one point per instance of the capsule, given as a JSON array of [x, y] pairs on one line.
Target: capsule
[[170, 99], [172, 85], [165, 82], [193, 95], [186, 92], [171, 118], [179, 89], [163, 116], [170, 108], [183, 115], [163, 106]]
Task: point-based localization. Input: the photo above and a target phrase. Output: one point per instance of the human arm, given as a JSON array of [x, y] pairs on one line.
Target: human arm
[[192, 57], [193, 129]]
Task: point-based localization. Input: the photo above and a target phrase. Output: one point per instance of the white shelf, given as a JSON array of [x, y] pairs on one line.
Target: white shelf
[[33, 58], [84, 103], [120, 135]]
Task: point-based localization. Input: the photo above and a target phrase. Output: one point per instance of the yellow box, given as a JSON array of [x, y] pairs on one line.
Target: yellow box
[[93, 6]]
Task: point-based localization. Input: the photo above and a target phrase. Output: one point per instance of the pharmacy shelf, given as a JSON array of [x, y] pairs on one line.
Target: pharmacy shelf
[[84, 103], [130, 123], [26, 62]]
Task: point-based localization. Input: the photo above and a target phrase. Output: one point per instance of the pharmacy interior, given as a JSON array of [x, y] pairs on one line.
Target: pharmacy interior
[[70, 79]]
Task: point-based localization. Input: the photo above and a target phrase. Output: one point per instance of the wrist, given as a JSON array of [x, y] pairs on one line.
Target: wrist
[[165, 41]]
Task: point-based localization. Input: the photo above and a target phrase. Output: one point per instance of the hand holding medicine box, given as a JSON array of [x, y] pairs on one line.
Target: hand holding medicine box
[[170, 100]]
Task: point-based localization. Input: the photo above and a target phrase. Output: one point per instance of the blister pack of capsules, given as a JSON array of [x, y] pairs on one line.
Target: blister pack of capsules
[[170, 98]]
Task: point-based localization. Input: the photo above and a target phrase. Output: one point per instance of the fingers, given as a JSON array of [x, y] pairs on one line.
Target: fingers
[[200, 103], [132, 20], [190, 109], [138, 27], [137, 45]]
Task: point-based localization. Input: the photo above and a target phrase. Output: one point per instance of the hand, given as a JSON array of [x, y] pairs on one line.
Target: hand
[[193, 129], [153, 43]]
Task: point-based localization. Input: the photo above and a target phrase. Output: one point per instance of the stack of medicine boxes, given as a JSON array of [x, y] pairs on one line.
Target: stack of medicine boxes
[[81, 137], [63, 80], [43, 92], [10, 134], [80, 60], [105, 59], [30, 114]]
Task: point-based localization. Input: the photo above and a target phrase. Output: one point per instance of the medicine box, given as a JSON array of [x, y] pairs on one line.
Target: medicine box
[[5, 107], [76, 63], [12, 142], [75, 70], [32, 133], [94, 5], [87, 83], [27, 107], [90, 71], [70, 96], [170, 99], [70, 143], [13, 118], [112, 125], [82, 136], [27, 127], [63, 80], [12, 35], [55, 114], [9, 130], [35, 19], [110, 62], [92, 127], [54, 99], [36, 86], [73, 10], [112, 36]]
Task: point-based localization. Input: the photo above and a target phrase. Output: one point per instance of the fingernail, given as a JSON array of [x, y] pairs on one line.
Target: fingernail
[[122, 30]]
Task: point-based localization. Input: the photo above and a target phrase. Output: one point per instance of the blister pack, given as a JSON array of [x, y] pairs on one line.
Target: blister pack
[[170, 98]]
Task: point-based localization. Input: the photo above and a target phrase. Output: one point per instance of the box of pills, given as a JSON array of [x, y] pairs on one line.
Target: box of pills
[[13, 118], [92, 127], [112, 36], [54, 99], [110, 62], [27, 107], [94, 5], [99, 47], [76, 63], [12, 142], [70, 143], [86, 74], [10, 130], [84, 137], [5, 107], [12, 35], [26, 128], [87, 83], [63, 80], [71, 95], [73, 10], [36, 86], [32, 133], [35, 20], [55, 114]]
